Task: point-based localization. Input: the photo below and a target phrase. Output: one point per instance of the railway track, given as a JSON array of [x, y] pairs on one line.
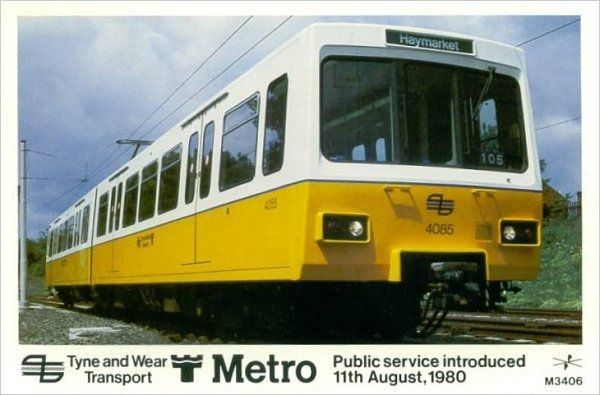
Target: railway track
[[530, 325], [519, 325], [173, 326]]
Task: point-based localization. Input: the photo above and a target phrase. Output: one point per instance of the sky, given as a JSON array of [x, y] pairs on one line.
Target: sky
[[84, 82]]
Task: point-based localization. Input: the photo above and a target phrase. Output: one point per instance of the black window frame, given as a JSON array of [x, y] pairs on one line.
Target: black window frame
[[111, 212], [77, 226], [159, 206], [237, 126], [63, 237], [71, 231], [85, 224], [54, 242], [206, 169], [49, 239], [265, 167], [191, 168], [128, 190], [145, 180], [102, 225], [118, 205], [519, 98]]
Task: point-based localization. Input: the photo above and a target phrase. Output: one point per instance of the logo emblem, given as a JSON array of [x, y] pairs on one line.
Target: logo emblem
[[565, 363], [187, 364], [36, 365], [436, 202]]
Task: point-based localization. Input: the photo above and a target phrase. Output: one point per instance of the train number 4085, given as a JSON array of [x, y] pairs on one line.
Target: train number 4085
[[440, 229], [557, 381]]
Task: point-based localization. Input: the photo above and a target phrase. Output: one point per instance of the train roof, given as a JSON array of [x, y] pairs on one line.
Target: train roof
[[355, 34]]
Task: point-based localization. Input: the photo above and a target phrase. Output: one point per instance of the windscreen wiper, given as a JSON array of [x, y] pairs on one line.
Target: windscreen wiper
[[484, 91]]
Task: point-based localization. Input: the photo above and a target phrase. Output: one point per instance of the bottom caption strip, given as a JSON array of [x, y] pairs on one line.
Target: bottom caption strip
[[326, 370]]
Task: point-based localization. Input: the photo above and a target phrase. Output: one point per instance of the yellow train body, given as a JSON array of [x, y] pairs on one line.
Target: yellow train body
[[274, 236], [347, 166]]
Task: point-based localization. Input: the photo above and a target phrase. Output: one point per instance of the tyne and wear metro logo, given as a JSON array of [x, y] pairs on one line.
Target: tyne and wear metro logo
[[436, 202], [36, 365], [187, 364]]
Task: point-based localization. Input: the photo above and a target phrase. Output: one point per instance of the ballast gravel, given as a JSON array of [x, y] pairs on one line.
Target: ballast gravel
[[41, 324]]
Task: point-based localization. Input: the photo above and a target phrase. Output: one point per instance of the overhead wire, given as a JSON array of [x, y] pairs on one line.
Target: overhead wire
[[218, 75], [53, 156], [558, 123], [94, 173], [103, 164], [203, 87], [547, 33]]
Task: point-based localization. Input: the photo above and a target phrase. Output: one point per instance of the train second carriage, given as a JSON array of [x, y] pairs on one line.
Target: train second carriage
[[353, 171]]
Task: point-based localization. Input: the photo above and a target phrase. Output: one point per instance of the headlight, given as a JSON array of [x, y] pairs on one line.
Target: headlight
[[519, 232], [509, 233], [345, 227], [356, 229]]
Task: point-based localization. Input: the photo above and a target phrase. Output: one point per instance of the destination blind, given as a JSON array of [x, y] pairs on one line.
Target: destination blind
[[429, 41]]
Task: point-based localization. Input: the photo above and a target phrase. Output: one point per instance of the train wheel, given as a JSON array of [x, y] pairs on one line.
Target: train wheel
[[66, 296], [103, 298]]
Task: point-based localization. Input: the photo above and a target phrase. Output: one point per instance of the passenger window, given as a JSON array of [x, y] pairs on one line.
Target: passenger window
[[238, 151], [85, 224], [131, 196], [63, 236], [148, 192], [49, 243], [118, 206], [77, 224], [275, 125], [190, 181], [71, 231], [206, 160], [169, 180], [112, 209], [55, 242], [102, 215]]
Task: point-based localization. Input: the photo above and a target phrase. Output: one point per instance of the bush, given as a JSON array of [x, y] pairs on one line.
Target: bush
[[559, 283]]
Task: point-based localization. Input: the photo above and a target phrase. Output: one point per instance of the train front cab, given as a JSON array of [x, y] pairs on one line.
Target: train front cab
[[427, 175]]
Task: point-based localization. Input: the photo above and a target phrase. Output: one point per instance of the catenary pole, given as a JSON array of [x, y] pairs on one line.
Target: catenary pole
[[22, 224]]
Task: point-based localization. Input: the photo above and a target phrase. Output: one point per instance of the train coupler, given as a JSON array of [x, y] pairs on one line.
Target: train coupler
[[456, 285], [453, 285]]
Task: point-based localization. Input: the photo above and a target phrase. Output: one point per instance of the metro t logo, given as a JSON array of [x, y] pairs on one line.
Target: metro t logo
[[187, 364], [36, 365], [436, 202]]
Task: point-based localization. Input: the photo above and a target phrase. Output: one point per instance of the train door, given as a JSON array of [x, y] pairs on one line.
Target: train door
[[111, 221], [193, 131], [116, 194], [205, 159]]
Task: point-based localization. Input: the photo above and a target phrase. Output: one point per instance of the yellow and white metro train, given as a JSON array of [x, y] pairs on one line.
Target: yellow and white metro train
[[352, 171]]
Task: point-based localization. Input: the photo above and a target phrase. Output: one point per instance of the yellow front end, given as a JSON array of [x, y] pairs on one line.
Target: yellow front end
[[418, 218]]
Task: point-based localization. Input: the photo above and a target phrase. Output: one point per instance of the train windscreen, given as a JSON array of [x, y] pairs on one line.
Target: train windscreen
[[415, 113]]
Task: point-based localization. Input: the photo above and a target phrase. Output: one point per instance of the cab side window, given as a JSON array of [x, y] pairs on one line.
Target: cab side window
[[238, 151], [275, 125]]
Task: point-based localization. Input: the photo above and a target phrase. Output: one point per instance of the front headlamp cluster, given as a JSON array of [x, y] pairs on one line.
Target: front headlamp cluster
[[344, 227], [519, 232]]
